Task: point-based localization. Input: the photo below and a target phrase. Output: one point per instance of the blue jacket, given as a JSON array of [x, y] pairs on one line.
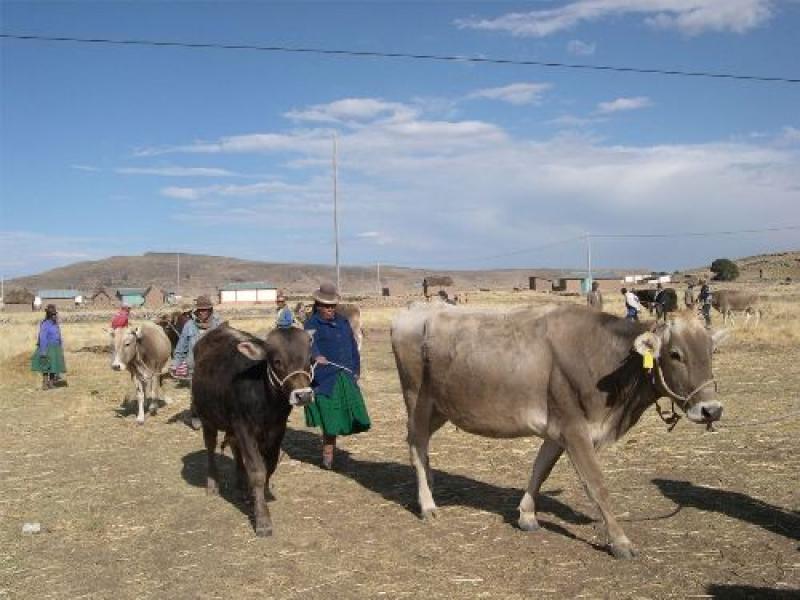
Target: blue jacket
[[335, 341], [184, 350], [49, 335]]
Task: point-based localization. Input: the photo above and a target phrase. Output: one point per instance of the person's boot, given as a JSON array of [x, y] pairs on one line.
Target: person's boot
[[328, 448]]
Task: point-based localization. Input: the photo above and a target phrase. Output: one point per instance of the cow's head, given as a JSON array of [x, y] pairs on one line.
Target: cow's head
[[287, 353], [682, 350], [124, 343]]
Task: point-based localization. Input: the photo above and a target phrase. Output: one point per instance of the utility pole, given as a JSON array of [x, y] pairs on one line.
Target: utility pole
[[589, 257], [336, 216], [379, 279], [178, 283]]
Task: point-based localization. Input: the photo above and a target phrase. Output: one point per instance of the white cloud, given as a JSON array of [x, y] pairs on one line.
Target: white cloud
[[176, 171], [623, 104], [88, 168], [579, 48], [516, 93], [354, 111], [688, 16], [422, 188], [790, 135]]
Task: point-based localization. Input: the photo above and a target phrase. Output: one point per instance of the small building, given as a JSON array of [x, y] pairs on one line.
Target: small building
[[248, 291], [60, 298], [540, 284], [149, 297], [568, 284], [101, 299], [18, 300]]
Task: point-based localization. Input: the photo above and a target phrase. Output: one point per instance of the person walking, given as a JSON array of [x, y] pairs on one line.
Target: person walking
[[338, 407], [48, 358], [203, 320], [688, 296], [704, 298], [121, 319], [632, 305], [595, 298], [284, 317]]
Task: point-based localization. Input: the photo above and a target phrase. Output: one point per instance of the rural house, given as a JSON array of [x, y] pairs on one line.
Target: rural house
[[248, 291], [101, 299], [61, 298], [150, 297]]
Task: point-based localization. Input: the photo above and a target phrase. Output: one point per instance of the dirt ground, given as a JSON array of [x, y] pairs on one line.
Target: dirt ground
[[124, 513]]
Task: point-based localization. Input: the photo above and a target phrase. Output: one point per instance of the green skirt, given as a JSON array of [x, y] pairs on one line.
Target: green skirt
[[52, 362], [341, 413]]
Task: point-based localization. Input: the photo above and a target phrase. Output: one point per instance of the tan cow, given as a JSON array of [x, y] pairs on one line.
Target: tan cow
[[144, 352], [728, 301], [570, 375]]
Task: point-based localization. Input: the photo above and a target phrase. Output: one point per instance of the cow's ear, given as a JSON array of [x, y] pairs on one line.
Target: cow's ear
[[311, 333], [251, 351], [138, 333], [648, 342], [719, 337]]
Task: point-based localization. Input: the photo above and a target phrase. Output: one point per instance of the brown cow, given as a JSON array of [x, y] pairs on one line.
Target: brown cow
[[728, 301], [144, 352], [246, 387], [570, 375]]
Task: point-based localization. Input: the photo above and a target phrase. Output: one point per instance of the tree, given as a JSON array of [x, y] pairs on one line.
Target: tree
[[724, 269]]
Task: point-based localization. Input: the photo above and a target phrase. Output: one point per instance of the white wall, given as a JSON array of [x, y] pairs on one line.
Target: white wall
[[262, 295]]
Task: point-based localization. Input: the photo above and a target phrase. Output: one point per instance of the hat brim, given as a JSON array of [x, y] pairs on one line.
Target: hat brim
[[325, 300]]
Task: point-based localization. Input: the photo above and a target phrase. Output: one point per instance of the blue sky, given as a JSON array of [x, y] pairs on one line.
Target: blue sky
[[109, 150]]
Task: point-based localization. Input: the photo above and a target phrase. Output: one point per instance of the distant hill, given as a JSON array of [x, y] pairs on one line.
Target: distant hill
[[205, 274], [773, 267]]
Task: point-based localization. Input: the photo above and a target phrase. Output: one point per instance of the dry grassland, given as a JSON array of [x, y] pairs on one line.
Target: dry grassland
[[124, 512]]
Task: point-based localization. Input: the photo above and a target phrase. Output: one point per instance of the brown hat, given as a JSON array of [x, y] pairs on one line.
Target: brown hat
[[203, 302], [326, 294]]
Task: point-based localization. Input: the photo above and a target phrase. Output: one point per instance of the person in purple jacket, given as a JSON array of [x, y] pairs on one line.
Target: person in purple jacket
[[48, 358]]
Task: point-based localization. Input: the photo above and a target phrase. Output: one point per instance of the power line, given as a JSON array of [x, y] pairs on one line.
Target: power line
[[403, 55], [691, 233]]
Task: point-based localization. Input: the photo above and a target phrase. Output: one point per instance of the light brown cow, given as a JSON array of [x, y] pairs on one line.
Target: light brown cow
[[144, 352], [728, 301], [570, 375]]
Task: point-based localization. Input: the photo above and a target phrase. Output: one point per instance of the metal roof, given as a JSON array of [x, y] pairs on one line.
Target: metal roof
[[246, 285], [58, 294], [132, 291]]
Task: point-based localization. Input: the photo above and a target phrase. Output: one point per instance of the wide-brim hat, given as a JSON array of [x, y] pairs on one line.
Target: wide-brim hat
[[326, 294], [203, 302]]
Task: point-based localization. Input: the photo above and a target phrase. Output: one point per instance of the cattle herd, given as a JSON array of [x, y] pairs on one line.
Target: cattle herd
[[576, 378]]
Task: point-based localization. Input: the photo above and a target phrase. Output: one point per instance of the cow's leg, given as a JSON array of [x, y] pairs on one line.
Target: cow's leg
[[140, 398], [758, 317], [422, 423], [548, 456], [582, 454], [241, 475], [153, 394], [212, 475], [257, 476]]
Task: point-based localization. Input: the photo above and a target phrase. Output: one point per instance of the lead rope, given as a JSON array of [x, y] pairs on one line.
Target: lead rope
[[672, 418]]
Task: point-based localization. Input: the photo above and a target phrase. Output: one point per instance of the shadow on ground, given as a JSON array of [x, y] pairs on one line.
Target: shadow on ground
[[748, 592], [397, 483], [734, 504]]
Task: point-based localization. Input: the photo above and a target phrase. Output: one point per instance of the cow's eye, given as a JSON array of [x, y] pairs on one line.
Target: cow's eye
[[676, 355]]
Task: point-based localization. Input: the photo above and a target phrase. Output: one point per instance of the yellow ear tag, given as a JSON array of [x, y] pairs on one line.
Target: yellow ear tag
[[647, 360]]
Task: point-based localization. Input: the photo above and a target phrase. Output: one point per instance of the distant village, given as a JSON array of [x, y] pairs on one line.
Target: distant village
[[253, 292]]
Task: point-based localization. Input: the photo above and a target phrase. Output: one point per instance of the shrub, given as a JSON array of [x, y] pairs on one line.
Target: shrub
[[724, 269]]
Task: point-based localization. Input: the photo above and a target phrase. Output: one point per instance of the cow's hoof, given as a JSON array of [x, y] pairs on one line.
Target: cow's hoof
[[212, 489], [623, 551], [264, 531], [140, 421], [527, 521], [153, 410], [429, 514]]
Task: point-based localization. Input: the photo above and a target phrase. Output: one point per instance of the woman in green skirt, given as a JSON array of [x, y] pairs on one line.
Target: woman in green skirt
[[338, 407], [48, 358]]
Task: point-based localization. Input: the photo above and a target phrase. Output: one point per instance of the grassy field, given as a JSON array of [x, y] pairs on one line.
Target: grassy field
[[124, 513]]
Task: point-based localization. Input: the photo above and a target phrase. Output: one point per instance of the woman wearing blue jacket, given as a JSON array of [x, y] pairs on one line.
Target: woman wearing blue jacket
[[48, 358], [338, 407]]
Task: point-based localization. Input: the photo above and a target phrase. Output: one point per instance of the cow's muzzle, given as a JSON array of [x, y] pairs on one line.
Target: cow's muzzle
[[301, 397], [705, 412], [116, 365]]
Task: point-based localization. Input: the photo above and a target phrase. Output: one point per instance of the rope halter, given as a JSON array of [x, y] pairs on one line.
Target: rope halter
[[671, 419], [294, 396]]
